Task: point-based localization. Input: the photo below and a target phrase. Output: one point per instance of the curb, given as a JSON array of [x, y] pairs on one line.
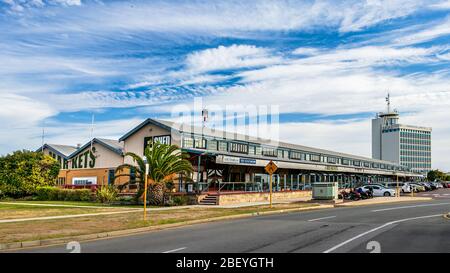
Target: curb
[[125, 232]]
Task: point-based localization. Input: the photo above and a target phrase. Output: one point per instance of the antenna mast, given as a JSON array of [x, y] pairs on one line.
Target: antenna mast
[[92, 130], [43, 137], [388, 100]]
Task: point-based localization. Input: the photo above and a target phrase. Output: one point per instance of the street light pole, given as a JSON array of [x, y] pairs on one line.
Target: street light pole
[[144, 158]]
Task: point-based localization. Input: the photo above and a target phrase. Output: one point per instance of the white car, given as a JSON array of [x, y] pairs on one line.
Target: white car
[[379, 190], [407, 187]]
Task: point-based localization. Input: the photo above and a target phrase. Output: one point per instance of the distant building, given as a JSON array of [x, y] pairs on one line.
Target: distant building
[[406, 145]]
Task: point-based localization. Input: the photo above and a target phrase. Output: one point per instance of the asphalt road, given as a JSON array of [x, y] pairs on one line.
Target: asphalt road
[[401, 227]]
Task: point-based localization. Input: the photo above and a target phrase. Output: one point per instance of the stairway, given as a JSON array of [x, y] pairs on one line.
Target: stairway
[[210, 199]]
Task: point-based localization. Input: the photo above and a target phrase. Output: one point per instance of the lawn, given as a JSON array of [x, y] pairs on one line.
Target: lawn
[[16, 211], [73, 203], [35, 230]]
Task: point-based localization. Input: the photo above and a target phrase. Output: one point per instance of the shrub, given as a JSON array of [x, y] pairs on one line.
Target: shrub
[[180, 200], [106, 194], [127, 199], [56, 194], [47, 193]]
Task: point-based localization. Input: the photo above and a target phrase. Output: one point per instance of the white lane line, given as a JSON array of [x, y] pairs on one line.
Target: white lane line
[[317, 219], [174, 250], [377, 228], [413, 206]]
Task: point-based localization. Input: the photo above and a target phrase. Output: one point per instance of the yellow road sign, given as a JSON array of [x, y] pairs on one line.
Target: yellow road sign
[[271, 167]]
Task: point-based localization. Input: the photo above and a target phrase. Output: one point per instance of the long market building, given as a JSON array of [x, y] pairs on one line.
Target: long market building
[[223, 161]]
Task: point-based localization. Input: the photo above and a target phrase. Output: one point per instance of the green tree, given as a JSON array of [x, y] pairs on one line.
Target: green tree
[[436, 175], [23, 171], [165, 162]]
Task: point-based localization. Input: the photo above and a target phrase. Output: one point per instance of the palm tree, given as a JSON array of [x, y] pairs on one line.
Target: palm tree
[[165, 162]]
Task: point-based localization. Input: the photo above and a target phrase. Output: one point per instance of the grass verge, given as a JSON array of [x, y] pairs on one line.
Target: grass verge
[[39, 230]]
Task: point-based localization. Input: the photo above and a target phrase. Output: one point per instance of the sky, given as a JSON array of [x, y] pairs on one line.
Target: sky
[[326, 65]]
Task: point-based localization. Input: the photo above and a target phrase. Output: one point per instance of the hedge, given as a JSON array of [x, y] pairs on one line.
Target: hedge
[[57, 194]]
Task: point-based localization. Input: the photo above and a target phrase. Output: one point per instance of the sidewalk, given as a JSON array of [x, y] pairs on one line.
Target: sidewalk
[[381, 200]]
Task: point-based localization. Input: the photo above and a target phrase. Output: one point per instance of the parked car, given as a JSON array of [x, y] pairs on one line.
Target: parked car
[[407, 187], [393, 185], [438, 185], [446, 184], [426, 185], [379, 190], [418, 187]]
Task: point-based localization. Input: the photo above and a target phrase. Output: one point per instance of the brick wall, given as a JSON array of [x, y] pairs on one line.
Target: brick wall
[[234, 198]]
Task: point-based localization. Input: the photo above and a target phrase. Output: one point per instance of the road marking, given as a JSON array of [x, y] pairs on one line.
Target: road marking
[[174, 250], [377, 228], [317, 219], [414, 206]]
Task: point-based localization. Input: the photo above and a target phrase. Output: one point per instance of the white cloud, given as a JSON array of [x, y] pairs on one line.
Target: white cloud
[[426, 34], [306, 51], [234, 56]]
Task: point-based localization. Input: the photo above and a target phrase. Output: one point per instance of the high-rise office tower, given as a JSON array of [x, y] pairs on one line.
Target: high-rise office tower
[[407, 145]]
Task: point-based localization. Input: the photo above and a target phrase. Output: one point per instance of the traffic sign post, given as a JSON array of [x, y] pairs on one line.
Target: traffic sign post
[[270, 169]]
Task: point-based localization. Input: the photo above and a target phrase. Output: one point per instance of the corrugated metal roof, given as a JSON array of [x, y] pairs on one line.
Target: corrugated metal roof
[[187, 128], [66, 150]]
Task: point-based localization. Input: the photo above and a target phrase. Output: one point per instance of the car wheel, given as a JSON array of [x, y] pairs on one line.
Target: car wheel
[[387, 194]]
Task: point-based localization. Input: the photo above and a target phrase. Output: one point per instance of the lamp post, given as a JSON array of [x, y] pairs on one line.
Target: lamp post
[[144, 158]]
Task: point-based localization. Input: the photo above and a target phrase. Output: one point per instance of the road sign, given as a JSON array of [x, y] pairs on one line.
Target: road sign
[[271, 167]]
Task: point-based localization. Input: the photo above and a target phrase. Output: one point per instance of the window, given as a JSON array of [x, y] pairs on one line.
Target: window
[[200, 143], [315, 158], [258, 150], [297, 155], [188, 142], [356, 163], [223, 146], [366, 164], [212, 145], [238, 148], [251, 149], [345, 161], [331, 160], [267, 151]]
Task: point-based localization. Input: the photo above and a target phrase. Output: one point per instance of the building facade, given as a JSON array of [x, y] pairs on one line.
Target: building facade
[[406, 145], [92, 164], [224, 161]]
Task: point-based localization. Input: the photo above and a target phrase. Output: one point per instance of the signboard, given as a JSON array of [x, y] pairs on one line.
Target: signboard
[[231, 159], [84, 180], [247, 161], [165, 139], [331, 168], [271, 167], [84, 159]]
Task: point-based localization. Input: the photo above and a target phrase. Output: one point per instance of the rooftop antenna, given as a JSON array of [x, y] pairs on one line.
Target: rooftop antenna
[[204, 118], [388, 100], [92, 131], [43, 137]]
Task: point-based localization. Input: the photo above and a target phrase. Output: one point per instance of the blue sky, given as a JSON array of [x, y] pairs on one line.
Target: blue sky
[[327, 65]]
